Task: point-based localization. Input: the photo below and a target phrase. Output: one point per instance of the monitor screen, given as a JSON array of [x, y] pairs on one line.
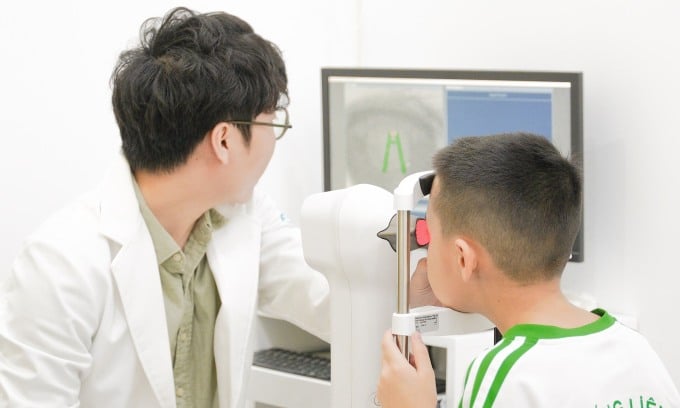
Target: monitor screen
[[381, 125]]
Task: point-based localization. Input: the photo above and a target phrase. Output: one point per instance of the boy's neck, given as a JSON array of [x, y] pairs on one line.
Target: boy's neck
[[539, 303]]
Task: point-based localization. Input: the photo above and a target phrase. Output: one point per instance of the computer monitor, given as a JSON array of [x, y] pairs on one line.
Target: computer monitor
[[380, 125]]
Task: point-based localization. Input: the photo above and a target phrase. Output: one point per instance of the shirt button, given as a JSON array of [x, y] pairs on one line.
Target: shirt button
[[177, 257], [180, 392]]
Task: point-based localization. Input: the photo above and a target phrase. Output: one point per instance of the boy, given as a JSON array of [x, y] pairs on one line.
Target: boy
[[503, 215], [144, 292]]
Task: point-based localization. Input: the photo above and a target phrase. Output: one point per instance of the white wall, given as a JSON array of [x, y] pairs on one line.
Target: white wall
[[59, 133]]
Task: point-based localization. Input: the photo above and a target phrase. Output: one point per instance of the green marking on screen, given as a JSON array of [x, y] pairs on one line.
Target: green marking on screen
[[393, 140]]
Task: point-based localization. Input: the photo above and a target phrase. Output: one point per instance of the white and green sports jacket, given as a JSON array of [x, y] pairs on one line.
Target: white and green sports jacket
[[603, 364]]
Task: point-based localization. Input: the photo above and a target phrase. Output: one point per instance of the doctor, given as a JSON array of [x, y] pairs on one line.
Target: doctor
[[143, 292]]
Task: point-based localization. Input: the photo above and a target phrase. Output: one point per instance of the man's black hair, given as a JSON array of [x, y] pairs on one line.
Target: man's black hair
[[190, 72]]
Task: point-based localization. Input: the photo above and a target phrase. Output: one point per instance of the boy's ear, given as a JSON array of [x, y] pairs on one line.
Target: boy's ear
[[219, 141], [467, 258]]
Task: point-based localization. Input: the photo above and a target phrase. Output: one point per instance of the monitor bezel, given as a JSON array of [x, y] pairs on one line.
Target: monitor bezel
[[575, 79]]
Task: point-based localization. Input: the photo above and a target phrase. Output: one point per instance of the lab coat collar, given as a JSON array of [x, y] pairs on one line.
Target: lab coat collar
[[120, 215], [135, 272], [233, 255]]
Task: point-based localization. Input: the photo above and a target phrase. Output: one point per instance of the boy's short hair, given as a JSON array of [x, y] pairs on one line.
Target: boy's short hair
[[516, 195], [190, 72]]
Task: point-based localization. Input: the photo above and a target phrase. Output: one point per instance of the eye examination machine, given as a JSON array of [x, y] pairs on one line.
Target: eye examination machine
[[363, 246], [364, 232], [369, 289]]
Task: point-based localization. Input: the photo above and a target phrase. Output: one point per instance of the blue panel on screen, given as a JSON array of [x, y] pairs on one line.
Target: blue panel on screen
[[476, 113]]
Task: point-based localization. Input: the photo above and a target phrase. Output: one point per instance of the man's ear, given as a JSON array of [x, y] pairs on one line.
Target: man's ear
[[219, 141], [467, 258]]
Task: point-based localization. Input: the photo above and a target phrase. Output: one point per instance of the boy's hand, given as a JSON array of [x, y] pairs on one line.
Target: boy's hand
[[403, 384], [420, 291]]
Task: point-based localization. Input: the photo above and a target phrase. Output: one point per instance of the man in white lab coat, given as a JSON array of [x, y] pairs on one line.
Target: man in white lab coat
[[143, 292]]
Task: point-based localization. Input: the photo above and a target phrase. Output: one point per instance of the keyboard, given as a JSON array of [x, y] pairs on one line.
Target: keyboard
[[293, 362]]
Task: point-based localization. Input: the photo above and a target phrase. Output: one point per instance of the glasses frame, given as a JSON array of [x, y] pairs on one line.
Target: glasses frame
[[286, 125]]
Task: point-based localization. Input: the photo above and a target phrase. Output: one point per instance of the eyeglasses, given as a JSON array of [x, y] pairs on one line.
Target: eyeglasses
[[281, 122]]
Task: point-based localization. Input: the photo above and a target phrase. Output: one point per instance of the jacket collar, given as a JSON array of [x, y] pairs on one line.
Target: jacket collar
[[135, 272], [120, 217], [233, 255]]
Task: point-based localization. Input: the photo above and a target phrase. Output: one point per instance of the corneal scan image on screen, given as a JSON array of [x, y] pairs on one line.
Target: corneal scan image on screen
[[387, 132]]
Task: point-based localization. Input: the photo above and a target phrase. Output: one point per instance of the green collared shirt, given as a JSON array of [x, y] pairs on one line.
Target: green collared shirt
[[191, 305]]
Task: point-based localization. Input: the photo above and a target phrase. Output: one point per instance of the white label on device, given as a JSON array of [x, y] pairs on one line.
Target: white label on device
[[427, 323]]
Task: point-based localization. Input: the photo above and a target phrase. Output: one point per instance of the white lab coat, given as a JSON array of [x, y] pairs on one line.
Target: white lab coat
[[82, 319]]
